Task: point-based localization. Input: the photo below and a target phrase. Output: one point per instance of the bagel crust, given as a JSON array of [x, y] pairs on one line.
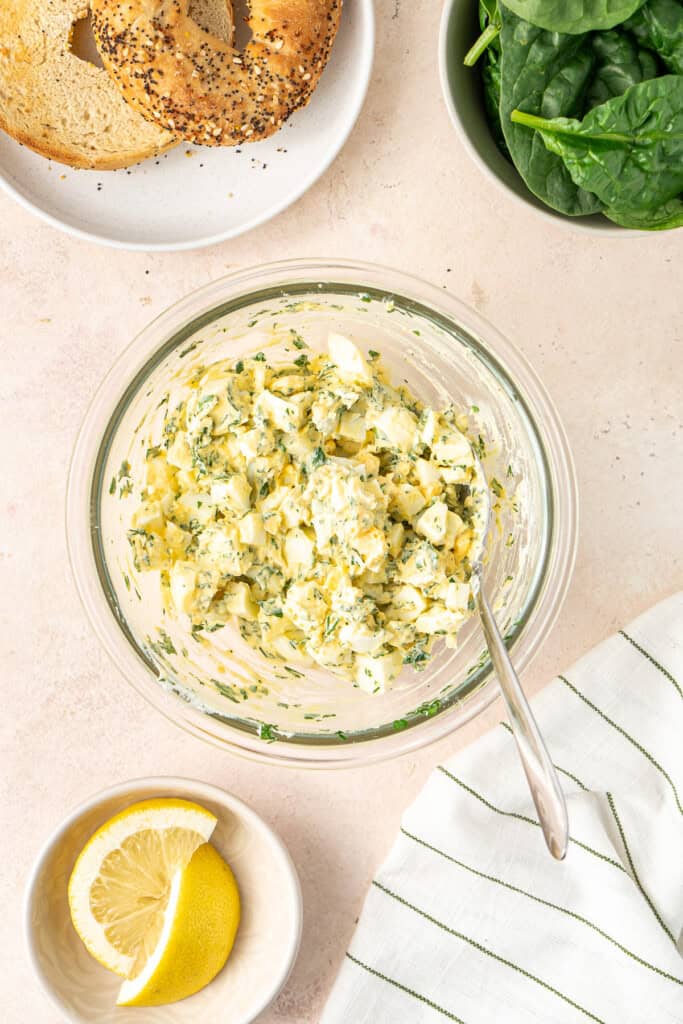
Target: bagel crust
[[193, 84], [58, 105]]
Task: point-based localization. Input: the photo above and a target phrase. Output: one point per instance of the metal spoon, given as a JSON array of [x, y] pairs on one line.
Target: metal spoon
[[539, 769]]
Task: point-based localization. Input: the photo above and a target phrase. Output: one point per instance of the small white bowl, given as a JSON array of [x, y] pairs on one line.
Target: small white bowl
[[267, 942], [462, 92]]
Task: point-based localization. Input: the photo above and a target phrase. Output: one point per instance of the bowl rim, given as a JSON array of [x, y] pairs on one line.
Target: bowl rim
[[592, 225], [133, 787], [560, 475]]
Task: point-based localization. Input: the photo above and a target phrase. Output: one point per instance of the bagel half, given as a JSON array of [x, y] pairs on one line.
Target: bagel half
[[65, 108], [190, 82], [61, 106]]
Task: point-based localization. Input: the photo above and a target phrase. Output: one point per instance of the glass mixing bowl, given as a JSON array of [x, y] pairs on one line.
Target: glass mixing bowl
[[219, 688]]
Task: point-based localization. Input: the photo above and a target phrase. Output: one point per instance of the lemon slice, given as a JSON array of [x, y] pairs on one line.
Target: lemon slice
[[121, 883], [200, 922]]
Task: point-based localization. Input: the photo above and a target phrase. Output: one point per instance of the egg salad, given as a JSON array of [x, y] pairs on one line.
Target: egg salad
[[327, 513]]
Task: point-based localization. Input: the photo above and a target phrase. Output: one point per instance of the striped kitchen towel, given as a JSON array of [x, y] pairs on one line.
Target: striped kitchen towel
[[470, 920]]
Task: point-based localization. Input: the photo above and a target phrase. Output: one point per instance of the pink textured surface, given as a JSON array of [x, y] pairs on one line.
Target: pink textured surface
[[602, 322]]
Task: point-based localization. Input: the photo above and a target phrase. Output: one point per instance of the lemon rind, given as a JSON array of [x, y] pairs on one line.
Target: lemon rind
[[142, 815]]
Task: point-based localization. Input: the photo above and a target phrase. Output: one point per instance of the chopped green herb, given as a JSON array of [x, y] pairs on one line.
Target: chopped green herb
[[225, 691], [267, 732], [416, 656], [165, 642], [293, 671], [331, 623], [429, 708], [318, 458]]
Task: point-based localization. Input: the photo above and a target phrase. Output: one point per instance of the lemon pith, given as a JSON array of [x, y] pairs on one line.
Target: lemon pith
[[198, 933], [120, 885]]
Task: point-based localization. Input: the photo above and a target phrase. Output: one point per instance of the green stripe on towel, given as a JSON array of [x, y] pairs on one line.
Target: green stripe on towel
[[636, 879], [562, 771], [530, 821], [545, 903], [487, 952], [404, 988], [626, 736], [653, 661]]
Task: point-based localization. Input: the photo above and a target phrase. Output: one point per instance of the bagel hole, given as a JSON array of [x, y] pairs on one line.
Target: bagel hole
[[243, 32], [212, 16], [83, 43]]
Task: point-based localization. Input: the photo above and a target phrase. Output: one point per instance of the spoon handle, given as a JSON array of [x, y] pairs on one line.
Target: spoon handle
[[539, 769]]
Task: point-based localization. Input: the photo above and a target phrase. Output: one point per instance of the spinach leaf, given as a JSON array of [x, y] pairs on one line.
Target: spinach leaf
[[620, 63], [544, 74], [628, 151], [490, 78], [574, 16], [659, 25], [669, 215]]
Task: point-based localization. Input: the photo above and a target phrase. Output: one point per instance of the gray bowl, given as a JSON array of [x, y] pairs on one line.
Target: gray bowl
[[464, 98]]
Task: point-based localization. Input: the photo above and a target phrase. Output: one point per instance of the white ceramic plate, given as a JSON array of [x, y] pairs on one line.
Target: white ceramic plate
[[192, 197], [267, 940]]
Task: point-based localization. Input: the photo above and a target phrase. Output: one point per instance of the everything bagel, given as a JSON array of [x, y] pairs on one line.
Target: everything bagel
[[192, 83]]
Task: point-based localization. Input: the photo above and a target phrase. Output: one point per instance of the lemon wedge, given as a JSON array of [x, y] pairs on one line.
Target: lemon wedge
[[121, 885], [200, 922]]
